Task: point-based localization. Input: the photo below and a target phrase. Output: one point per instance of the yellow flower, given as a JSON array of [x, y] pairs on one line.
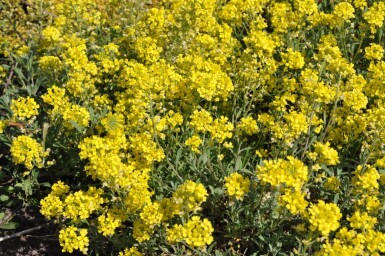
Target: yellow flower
[[189, 196], [72, 238], [113, 124], [201, 120], [291, 172], [23, 108], [130, 252], [2, 126], [141, 231], [148, 49], [51, 206], [22, 50], [323, 217], [294, 201], [107, 223], [169, 208], [375, 16], [194, 142], [195, 232], [237, 185], [77, 114], [374, 52], [50, 63], [151, 214], [248, 125], [367, 179], [80, 205], [144, 147], [262, 153], [221, 129], [59, 188], [293, 59], [342, 12], [25, 150], [327, 155], [332, 183], [361, 220], [51, 34]]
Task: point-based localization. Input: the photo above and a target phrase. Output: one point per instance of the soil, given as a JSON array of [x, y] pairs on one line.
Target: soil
[[41, 242]]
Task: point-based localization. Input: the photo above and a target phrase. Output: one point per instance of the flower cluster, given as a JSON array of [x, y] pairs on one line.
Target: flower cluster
[[237, 185], [189, 196], [24, 108], [195, 232], [130, 252], [290, 173], [75, 206], [107, 223], [72, 238], [327, 155], [324, 217], [26, 150]]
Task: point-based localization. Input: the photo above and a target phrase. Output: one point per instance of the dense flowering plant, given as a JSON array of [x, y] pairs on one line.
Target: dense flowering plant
[[202, 127]]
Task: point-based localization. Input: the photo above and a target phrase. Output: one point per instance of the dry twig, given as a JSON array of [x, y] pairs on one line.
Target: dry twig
[[22, 232]]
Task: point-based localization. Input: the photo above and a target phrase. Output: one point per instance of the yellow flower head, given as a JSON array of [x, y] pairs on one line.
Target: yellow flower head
[[72, 238], [291, 172], [293, 59], [195, 232], [189, 196], [327, 155], [59, 188], [130, 252], [194, 142], [323, 217], [25, 150], [80, 205], [294, 201], [237, 185], [2, 126], [374, 52], [361, 220], [248, 125], [24, 108], [332, 183], [107, 223], [51, 206], [151, 214], [367, 179]]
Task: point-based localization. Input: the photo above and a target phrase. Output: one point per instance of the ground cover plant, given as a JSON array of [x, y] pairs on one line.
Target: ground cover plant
[[199, 127]]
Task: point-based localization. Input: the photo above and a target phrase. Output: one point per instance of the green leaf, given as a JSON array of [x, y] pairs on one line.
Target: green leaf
[[218, 253], [77, 126], [92, 115], [2, 214], [326, 169], [247, 171], [178, 155], [9, 225], [204, 158], [238, 164], [3, 198], [19, 73], [35, 174], [211, 189], [218, 191], [336, 198], [45, 184]]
